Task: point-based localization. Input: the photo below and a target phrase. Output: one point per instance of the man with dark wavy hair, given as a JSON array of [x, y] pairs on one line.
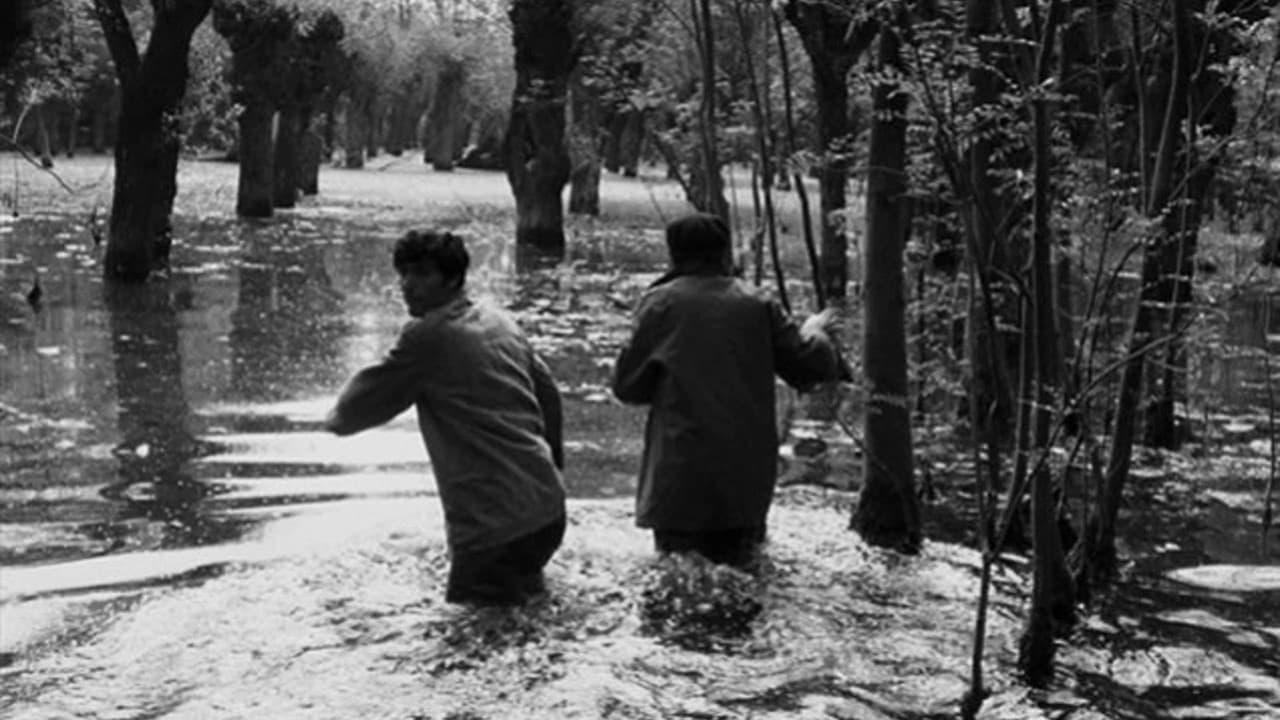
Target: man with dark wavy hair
[[490, 416], [703, 353]]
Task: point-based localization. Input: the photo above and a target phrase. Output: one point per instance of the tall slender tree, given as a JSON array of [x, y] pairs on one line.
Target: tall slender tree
[[835, 34], [152, 84], [1181, 99], [1052, 594], [888, 512], [263, 40], [991, 385]]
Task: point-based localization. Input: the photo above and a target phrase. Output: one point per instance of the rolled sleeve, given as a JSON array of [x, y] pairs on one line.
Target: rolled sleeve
[[801, 360], [639, 366], [378, 393]]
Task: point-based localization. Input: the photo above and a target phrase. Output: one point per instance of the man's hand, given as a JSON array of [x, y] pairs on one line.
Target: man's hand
[[333, 423], [825, 323]]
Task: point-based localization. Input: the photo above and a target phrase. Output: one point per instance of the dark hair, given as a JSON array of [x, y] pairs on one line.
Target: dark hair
[[444, 249], [699, 236]]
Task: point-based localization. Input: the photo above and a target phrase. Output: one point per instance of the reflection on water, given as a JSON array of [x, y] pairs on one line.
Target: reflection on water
[[287, 319], [170, 415], [156, 441]]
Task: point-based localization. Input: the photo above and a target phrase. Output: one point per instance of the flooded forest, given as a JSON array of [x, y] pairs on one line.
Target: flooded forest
[[1048, 232]]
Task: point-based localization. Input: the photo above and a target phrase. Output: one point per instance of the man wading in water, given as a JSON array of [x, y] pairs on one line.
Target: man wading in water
[[490, 416], [703, 354]]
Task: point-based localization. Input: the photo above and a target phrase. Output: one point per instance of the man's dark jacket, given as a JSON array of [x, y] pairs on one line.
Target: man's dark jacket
[[703, 354]]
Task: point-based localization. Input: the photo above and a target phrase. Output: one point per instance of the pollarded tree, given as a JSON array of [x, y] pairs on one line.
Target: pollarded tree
[[262, 37], [537, 160], [148, 140], [445, 118], [311, 68]]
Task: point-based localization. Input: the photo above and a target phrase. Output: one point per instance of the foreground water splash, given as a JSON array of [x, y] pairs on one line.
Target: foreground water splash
[[358, 629]]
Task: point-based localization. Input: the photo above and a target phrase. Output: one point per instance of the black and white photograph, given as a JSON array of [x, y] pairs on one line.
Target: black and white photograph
[[639, 359]]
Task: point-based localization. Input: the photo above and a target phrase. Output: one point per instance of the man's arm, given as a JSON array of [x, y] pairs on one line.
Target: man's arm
[[544, 387], [638, 369], [379, 392], [805, 355]]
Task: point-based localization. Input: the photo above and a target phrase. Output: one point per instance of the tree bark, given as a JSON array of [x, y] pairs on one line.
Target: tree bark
[[256, 188], [584, 155], [1101, 536], [286, 170], [1052, 595], [353, 140], [444, 118], [990, 374], [147, 144], [711, 185], [45, 149], [537, 161], [631, 142], [310, 155], [888, 513]]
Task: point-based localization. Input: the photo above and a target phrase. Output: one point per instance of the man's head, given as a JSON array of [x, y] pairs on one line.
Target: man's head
[[432, 267], [699, 239]]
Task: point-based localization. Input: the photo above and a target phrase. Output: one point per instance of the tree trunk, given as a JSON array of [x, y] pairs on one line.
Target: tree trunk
[[394, 139], [712, 185], [286, 170], [444, 118], [1161, 425], [101, 119], [310, 154], [833, 44], [888, 513], [373, 129], [631, 142], [73, 128], [611, 152], [146, 149], [354, 135], [1157, 191], [536, 159], [1052, 595], [256, 189], [584, 155], [990, 373], [1183, 225], [42, 135]]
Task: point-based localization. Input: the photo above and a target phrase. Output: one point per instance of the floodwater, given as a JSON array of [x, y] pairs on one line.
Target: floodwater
[[179, 538]]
